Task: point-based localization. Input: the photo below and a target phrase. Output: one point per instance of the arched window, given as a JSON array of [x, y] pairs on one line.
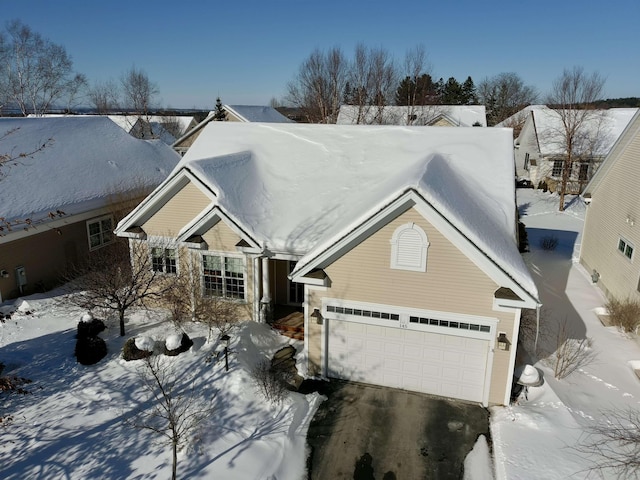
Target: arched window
[[409, 248]]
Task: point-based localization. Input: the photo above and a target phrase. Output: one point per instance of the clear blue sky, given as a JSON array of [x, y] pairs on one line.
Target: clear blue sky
[[246, 51]]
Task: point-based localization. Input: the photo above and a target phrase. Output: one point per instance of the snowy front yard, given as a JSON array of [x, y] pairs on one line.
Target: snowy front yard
[[73, 424]]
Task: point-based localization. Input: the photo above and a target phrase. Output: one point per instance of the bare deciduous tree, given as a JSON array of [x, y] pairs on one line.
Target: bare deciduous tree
[[318, 86], [172, 125], [115, 278], [613, 445], [177, 410], [139, 92], [11, 157], [35, 72], [104, 97], [415, 65], [573, 95], [571, 353], [504, 95]]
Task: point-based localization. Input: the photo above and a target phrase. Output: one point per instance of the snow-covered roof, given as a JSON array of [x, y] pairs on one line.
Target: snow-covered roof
[[183, 120], [299, 188], [519, 117], [126, 122], [254, 113], [85, 160], [458, 115], [602, 129]]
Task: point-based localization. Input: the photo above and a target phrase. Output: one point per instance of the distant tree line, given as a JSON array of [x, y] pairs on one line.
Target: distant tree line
[[373, 78], [37, 76]]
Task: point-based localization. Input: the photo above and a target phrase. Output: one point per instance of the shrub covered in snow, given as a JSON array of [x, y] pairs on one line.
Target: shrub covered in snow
[[90, 328], [177, 343], [90, 350], [131, 351]]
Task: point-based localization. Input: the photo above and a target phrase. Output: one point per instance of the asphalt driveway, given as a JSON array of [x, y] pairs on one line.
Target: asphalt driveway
[[365, 432]]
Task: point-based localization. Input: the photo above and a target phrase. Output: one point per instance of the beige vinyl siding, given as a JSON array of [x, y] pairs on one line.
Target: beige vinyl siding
[[615, 199], [221, 238], [442, 122], [452, 283], [451, 278], [181, 209]]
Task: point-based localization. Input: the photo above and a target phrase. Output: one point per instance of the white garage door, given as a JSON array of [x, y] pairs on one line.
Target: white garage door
[[436, 363]]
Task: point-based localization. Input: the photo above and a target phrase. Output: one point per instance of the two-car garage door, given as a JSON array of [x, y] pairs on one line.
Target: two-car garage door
[[408, 358]]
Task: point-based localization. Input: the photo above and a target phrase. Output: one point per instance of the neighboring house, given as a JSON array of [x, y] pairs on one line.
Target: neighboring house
[[235, 113], [56, 205], [611, 239], [398, 245], [540, 149], [155, 127], [164, 128], [420, 115], [518, 119]]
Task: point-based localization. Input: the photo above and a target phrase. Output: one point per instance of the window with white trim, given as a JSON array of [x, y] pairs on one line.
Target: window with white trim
[[409, 246], [100, 232], [223, 276], [164, 260], [558, 165], [625, 248]]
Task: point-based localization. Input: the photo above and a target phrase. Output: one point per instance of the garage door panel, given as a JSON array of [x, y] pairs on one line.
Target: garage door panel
[[414, 351], [432, 354], [415, 360], [453, 357], [394, 348]]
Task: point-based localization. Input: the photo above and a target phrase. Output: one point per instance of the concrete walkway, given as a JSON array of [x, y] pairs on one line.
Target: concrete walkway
[[365, 432]]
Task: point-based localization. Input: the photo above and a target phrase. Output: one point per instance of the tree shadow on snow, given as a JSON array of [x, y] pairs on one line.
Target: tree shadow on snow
[[550, 270]]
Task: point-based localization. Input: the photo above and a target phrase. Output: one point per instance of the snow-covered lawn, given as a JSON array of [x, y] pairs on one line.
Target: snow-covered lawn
[[535, 439], [72, 425]]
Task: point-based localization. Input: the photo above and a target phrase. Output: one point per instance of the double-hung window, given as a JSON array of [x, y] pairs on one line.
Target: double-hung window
[[164, 260], [100, 232], [557, 168], [223, 276], [625, 248]]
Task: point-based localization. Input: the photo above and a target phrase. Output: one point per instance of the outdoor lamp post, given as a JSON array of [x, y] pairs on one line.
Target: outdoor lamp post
[[225, 341]]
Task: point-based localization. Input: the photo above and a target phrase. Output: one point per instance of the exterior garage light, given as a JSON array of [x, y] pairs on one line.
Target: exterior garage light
[[503, 342], [317, 315]]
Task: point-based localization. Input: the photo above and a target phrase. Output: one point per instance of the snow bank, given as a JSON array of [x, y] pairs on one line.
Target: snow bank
[[477, 465]]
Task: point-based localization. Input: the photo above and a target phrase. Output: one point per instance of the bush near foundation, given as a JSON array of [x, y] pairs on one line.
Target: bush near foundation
[[131, 352]]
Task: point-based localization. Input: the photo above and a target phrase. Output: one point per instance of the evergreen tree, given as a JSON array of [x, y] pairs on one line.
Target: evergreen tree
[[421, 91], [469, 95], [452, 92], [427, 90], [440, 89], [405, 92], [220, 114], [347, 95]]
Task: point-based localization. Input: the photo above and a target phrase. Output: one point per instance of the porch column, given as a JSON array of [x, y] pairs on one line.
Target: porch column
[[265, 302]]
